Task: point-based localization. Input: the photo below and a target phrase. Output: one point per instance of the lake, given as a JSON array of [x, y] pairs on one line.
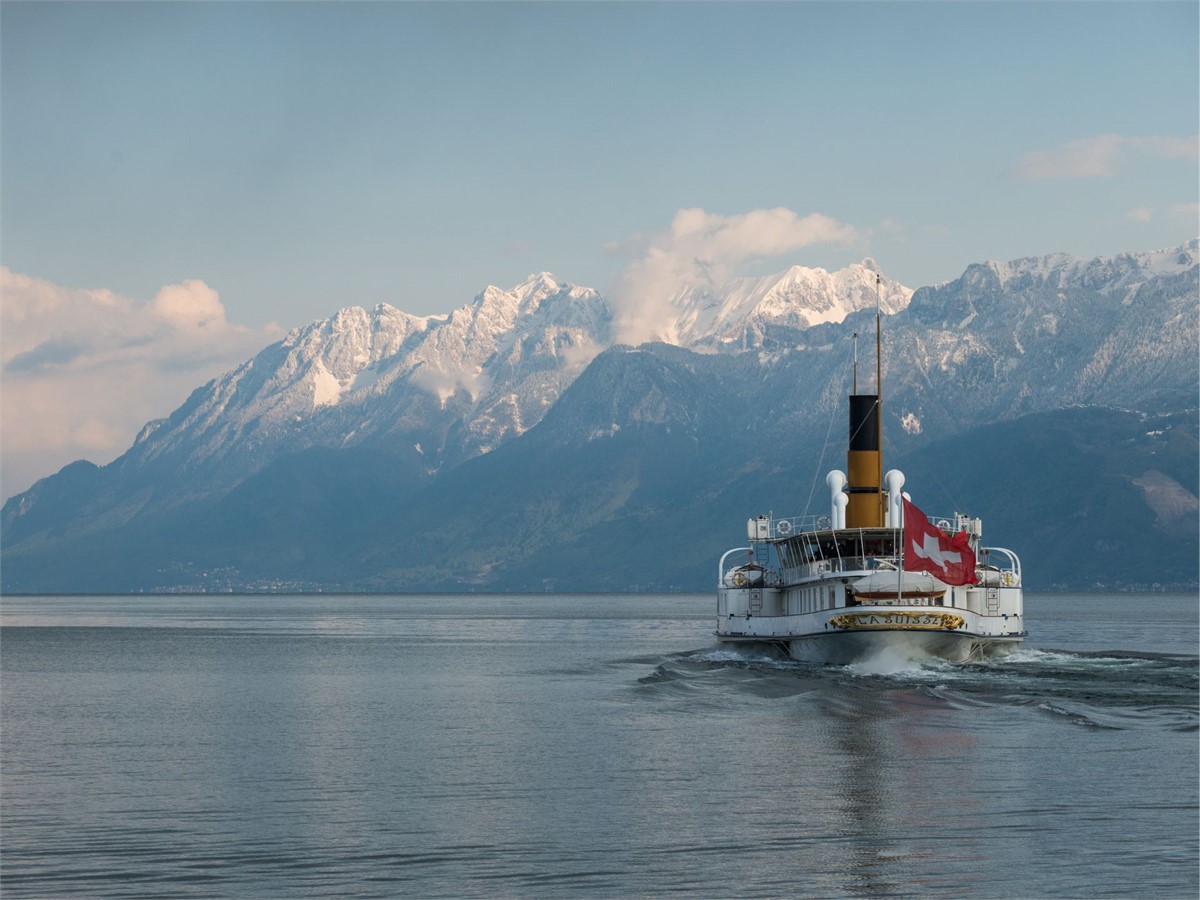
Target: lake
[[583, 746]]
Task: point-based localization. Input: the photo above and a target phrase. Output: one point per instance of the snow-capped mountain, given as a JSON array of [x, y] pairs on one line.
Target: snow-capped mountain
[[453, 387], [363, 429], [1119, 276], [737, 314], [1119, 330], [488, 371]]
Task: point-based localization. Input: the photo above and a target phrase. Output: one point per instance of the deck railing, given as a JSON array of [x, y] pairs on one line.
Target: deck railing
[[995, 559], [786, 526]]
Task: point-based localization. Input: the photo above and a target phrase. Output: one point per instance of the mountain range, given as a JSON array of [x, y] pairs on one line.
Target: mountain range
[[515, 444]]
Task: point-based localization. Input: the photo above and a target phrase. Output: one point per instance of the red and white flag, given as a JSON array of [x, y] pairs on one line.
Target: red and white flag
[[929, 549]]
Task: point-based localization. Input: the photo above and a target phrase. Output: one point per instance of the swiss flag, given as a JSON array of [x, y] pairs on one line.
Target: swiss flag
[[929, 549]]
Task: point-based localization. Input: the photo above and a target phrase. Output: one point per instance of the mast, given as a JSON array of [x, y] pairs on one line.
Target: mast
[[879, 413]]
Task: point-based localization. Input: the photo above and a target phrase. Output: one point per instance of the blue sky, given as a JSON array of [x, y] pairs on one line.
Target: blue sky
[[295, 158], [303, 156]]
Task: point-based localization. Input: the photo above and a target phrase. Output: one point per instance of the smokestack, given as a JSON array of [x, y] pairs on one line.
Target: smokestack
[[864, 464]]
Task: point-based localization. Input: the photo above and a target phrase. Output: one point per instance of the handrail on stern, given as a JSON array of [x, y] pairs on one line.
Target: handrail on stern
[[1014, 561], [724, 556]]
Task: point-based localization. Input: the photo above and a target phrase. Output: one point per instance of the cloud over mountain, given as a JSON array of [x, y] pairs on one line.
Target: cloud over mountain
[[84, 369], [702, 250]]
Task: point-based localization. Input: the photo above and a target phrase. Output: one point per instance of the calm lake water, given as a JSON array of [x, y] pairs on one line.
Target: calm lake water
[[567, 746]]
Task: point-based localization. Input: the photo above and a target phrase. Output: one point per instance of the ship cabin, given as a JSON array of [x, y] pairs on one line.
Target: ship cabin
[[811, 554], [794, 566]]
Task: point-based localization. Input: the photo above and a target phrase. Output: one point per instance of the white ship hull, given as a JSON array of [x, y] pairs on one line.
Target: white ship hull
[[851, 647], [833, 613], [916, 634]]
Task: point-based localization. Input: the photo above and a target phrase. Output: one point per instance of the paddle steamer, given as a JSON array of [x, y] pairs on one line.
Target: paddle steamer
[[875, 575]]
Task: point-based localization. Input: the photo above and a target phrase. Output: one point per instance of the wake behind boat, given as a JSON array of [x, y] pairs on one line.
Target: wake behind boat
[[874, 576]]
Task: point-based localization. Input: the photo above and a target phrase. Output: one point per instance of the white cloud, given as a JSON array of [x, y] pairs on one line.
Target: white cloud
[[83, 370], [1094, 157], [190, 305], [445, 385], [703, 249], [579, 355], [1186, 211], [1168, 147], [1100, 156]]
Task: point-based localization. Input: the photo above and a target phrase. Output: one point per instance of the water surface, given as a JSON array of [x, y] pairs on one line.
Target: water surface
[[564, 746]]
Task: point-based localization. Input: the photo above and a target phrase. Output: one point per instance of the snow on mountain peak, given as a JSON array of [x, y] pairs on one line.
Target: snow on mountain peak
[[798, 297], [539, 285], [327, 390], [499, 310], [1121, 276]]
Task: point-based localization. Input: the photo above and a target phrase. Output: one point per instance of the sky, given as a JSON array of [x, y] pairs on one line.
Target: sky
[[181, 183]]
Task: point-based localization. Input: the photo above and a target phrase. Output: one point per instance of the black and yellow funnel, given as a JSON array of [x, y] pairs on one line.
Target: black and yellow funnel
[[864, 464]]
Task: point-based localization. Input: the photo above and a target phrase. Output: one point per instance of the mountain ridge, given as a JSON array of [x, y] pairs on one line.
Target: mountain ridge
[[413, 399]]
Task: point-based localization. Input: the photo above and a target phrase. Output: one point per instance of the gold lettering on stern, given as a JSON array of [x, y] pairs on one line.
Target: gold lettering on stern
[[898, 620]]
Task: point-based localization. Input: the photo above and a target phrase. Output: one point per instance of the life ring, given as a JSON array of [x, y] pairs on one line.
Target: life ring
[[943, 524], [1007, 578], [783, 526], [739, 578]]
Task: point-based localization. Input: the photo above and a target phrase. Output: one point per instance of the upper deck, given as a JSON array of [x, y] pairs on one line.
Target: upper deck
[[807, 546]]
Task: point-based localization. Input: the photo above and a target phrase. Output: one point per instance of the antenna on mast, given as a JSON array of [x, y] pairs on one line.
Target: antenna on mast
[[854, 337]]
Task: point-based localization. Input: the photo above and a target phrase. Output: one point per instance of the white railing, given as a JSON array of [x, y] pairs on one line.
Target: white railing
[[721, 564], [848, 564], [786, 527], [1010, 564], [790, 525]]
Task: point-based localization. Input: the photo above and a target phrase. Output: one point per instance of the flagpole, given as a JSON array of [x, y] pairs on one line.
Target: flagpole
[[900, 534]]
